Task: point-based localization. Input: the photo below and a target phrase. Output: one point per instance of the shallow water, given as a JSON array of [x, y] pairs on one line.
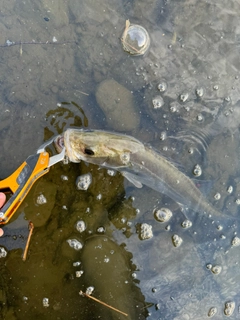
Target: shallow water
[[49, 87]]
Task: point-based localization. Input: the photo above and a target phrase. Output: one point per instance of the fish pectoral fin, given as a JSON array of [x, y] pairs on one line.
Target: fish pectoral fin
[[132, 178]]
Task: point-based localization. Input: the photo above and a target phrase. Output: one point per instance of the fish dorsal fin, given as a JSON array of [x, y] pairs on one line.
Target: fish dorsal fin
[[132, 178]]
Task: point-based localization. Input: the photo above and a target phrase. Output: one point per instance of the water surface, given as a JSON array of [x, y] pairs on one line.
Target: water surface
[[49, 87]]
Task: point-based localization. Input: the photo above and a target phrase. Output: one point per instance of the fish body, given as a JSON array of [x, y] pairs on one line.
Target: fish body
[[138, 163]]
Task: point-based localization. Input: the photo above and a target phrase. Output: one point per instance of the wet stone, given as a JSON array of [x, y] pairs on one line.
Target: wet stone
[[117, 103], [113, 274], [39, 208]]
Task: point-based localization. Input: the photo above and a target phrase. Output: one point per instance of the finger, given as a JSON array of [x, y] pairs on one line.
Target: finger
[[2, 199]]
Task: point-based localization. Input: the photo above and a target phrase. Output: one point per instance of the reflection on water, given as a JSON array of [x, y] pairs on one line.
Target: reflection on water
[[193, 65]]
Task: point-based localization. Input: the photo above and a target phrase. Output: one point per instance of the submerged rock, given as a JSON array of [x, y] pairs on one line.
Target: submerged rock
[[118, 105], [41, 202], [100, 258]]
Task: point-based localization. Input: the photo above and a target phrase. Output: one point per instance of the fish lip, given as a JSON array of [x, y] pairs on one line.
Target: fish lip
[[59, 143]]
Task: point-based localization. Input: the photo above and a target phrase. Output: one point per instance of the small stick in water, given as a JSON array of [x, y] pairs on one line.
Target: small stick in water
[[103, 303], [31, 227], [125, 30]]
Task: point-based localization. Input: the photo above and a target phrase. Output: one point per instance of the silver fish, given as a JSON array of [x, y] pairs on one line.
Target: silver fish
[[137, 163]]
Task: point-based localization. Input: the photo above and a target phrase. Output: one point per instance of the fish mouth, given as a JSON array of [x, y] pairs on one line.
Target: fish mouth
[[59, 143]]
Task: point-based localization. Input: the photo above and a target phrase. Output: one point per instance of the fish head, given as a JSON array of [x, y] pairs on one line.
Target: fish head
[[103, 148]]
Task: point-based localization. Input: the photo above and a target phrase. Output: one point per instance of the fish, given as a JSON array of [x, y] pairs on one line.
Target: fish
[[137, 162]]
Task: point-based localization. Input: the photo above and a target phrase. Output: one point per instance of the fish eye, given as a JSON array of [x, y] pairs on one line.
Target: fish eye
[[89, 152]]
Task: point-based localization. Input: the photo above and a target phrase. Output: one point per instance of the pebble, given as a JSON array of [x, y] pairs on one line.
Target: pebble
[[118, 105]]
